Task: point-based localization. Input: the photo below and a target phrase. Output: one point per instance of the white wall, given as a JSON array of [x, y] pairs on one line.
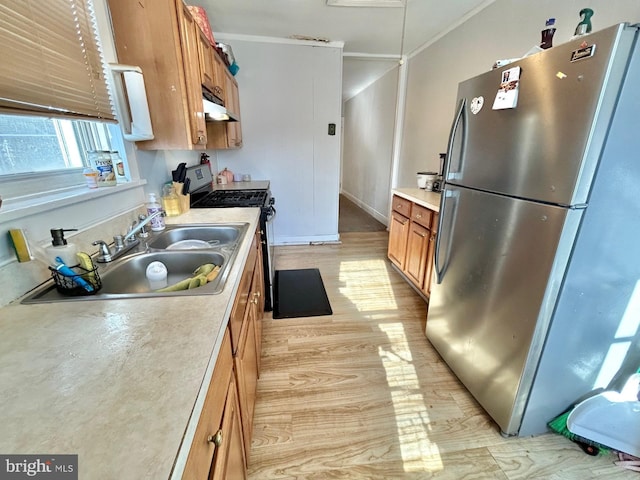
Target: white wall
[[369, 120], [505, 29], [289, 93]]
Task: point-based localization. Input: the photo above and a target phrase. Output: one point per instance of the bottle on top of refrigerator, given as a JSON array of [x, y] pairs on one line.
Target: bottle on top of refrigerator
[[547, 34], [157, 223], [584, 26]]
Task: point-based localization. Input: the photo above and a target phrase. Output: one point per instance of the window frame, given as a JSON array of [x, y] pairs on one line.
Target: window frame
[[17, 186]]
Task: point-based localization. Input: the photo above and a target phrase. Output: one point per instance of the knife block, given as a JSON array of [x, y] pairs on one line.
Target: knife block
[[184, 202], [183, 199]]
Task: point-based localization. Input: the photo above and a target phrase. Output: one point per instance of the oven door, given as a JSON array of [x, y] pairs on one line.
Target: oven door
[[266, 231]]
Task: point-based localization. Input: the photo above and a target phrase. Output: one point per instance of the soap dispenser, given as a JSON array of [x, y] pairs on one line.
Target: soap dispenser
[[61, 248]]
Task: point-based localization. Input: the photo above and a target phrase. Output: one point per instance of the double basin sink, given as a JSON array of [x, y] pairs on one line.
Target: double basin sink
[[181, 248]]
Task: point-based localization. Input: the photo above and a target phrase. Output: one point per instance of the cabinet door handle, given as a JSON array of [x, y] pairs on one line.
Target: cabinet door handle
[[215, 439], [256, 297], [418, 215]]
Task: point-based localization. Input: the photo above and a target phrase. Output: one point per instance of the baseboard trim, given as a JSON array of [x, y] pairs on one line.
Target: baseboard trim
[[307, 240]]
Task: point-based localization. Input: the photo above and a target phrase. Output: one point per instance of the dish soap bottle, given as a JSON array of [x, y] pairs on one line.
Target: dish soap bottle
[[547, 34], [61, 248], [170, 201], [157, 223], [584, 26]]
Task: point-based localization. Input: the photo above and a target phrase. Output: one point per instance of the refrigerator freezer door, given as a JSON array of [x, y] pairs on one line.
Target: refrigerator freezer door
[[496, 258], [547, 148]]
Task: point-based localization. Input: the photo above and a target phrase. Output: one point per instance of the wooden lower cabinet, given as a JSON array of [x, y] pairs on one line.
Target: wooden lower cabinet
[[430, 268], [243, 297], [222, 440], [212, 442], [247, 347], [229, 462], [257, 300], [417, 247], [246, 368], [398, 234], [412, 233]]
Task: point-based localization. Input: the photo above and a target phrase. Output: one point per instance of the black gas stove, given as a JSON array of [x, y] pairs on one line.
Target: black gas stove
[[204, 195]]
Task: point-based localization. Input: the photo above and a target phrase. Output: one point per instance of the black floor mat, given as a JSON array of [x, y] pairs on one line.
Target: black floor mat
[[300, 293]]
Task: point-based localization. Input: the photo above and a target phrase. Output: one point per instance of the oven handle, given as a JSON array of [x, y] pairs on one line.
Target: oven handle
[[272, 213]]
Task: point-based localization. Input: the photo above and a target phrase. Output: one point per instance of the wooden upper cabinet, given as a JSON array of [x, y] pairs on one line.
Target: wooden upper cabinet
[[232, 103], [205, 59], [226, 135], [219, 69], [189, 34], [161, 37]]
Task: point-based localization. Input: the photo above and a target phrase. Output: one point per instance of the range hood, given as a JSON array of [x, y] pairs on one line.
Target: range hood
[[214, 111]]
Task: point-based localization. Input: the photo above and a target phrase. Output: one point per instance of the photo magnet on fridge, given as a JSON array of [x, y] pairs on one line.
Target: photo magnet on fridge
[[507, 96]]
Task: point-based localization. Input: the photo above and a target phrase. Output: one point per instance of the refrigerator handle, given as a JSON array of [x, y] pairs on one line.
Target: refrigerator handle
[[452, 137], [448, 207], [436, 254], [445, 174]]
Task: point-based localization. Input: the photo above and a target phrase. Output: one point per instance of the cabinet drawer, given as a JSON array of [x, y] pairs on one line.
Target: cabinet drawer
[[421, 215], [401, 205]]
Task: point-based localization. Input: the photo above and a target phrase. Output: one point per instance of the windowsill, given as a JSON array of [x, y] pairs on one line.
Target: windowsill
[[24, 206]]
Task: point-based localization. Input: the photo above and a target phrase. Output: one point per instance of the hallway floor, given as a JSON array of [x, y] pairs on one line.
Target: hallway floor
[[351, 218]]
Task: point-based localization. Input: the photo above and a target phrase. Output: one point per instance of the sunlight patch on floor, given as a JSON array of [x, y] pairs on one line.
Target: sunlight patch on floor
[[366, 284], [419, 454]]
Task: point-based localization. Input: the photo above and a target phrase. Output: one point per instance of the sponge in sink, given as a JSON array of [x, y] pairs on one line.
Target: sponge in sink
[[20, 245]]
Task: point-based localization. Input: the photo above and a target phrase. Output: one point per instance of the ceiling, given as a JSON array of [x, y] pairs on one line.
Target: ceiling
[[373, 38]]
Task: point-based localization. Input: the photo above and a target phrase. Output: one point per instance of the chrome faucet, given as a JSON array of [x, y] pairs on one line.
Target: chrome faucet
[[104, 252], [122, 244], [139, 226]]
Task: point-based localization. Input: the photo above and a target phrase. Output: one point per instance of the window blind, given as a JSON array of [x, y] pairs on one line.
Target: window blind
[[51, 60]]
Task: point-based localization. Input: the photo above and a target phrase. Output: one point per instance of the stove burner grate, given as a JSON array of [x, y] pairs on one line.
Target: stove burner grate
[[233, 198]]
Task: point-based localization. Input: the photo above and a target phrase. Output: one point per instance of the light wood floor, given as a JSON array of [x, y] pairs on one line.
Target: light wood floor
[[361, 394]]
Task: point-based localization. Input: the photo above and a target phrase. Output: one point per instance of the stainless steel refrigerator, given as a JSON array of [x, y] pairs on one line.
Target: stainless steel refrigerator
[[536, 298]]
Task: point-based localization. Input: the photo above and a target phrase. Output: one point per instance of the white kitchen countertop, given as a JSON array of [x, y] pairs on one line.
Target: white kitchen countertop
[[430, 200], [115, 381]]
